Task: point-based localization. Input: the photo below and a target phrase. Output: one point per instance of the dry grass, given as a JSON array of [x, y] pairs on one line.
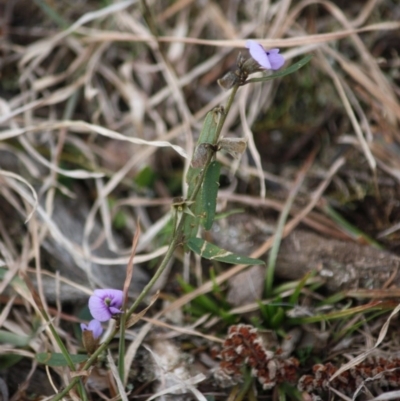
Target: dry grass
[[85, 107]]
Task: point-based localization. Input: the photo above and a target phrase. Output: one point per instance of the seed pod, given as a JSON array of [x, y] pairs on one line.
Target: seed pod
[[89, 342], [235, 77], [228, 80], [234, 146], [200, 155]]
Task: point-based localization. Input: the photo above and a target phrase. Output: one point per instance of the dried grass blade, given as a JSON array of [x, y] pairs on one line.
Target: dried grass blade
[[137, 316], [121, 388], [365, 354], [84, 127], [129, 269], [33, 192]]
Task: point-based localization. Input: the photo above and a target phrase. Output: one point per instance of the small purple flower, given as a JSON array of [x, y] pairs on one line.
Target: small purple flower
[[94, 326], [104, 304], [268, 59]]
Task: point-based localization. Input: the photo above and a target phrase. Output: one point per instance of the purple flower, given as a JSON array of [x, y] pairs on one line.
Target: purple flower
[[104, 304], [94, 326], [268, 59]]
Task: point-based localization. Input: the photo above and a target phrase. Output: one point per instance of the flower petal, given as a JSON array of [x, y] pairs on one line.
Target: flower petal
[[115, 296], [104, 303], [96, 329], [258, 53], [94, 326], [99, 309], [114, 311], [276, 60]]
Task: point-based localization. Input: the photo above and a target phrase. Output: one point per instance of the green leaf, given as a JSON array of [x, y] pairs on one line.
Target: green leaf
[[6, 361], [16, 283], [209, 194], [343, 314], [146, 177], [213, 252], [290, 70], [278, 318], [58, 359], [349, 228], [294, 298], [192, 222], [203, 301], [205, 304], [208, 137], [14, 339]]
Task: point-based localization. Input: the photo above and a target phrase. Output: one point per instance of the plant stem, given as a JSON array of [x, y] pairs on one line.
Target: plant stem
[[64, 351], [121, 348], [227, 108], [163, 265], [87, 365]]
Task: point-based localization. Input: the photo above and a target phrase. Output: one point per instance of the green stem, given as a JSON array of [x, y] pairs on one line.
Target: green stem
[[248, 381], [227, 108], [66, 354], [121, 347], [87, 365], [275, 248], [163, 265]]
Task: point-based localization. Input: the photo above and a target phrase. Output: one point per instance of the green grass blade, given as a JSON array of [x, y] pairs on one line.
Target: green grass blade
[[58, 359], [213, 252], [290, 70], [349, 228]]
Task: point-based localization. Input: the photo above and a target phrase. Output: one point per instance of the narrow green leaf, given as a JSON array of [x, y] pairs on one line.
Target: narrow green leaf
[[6, 361], [213, 252], [209, 194], [52, 14], [209, 131], [16, 283], [146, 177], [192, 223], [15, 339], [294, 298], [343, 314], [349, 228], [278, 318], [203, 301], [58, 359], [207, 139], [205, 304], [208, 136], [290, 70]]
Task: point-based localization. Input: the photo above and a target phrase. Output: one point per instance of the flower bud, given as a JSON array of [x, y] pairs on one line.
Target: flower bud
[[91, 335]]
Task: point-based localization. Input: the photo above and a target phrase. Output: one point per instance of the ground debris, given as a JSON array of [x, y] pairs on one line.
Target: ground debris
[[246, 346], [381, 373], [246, 287], [173, 371], [344, 265]]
